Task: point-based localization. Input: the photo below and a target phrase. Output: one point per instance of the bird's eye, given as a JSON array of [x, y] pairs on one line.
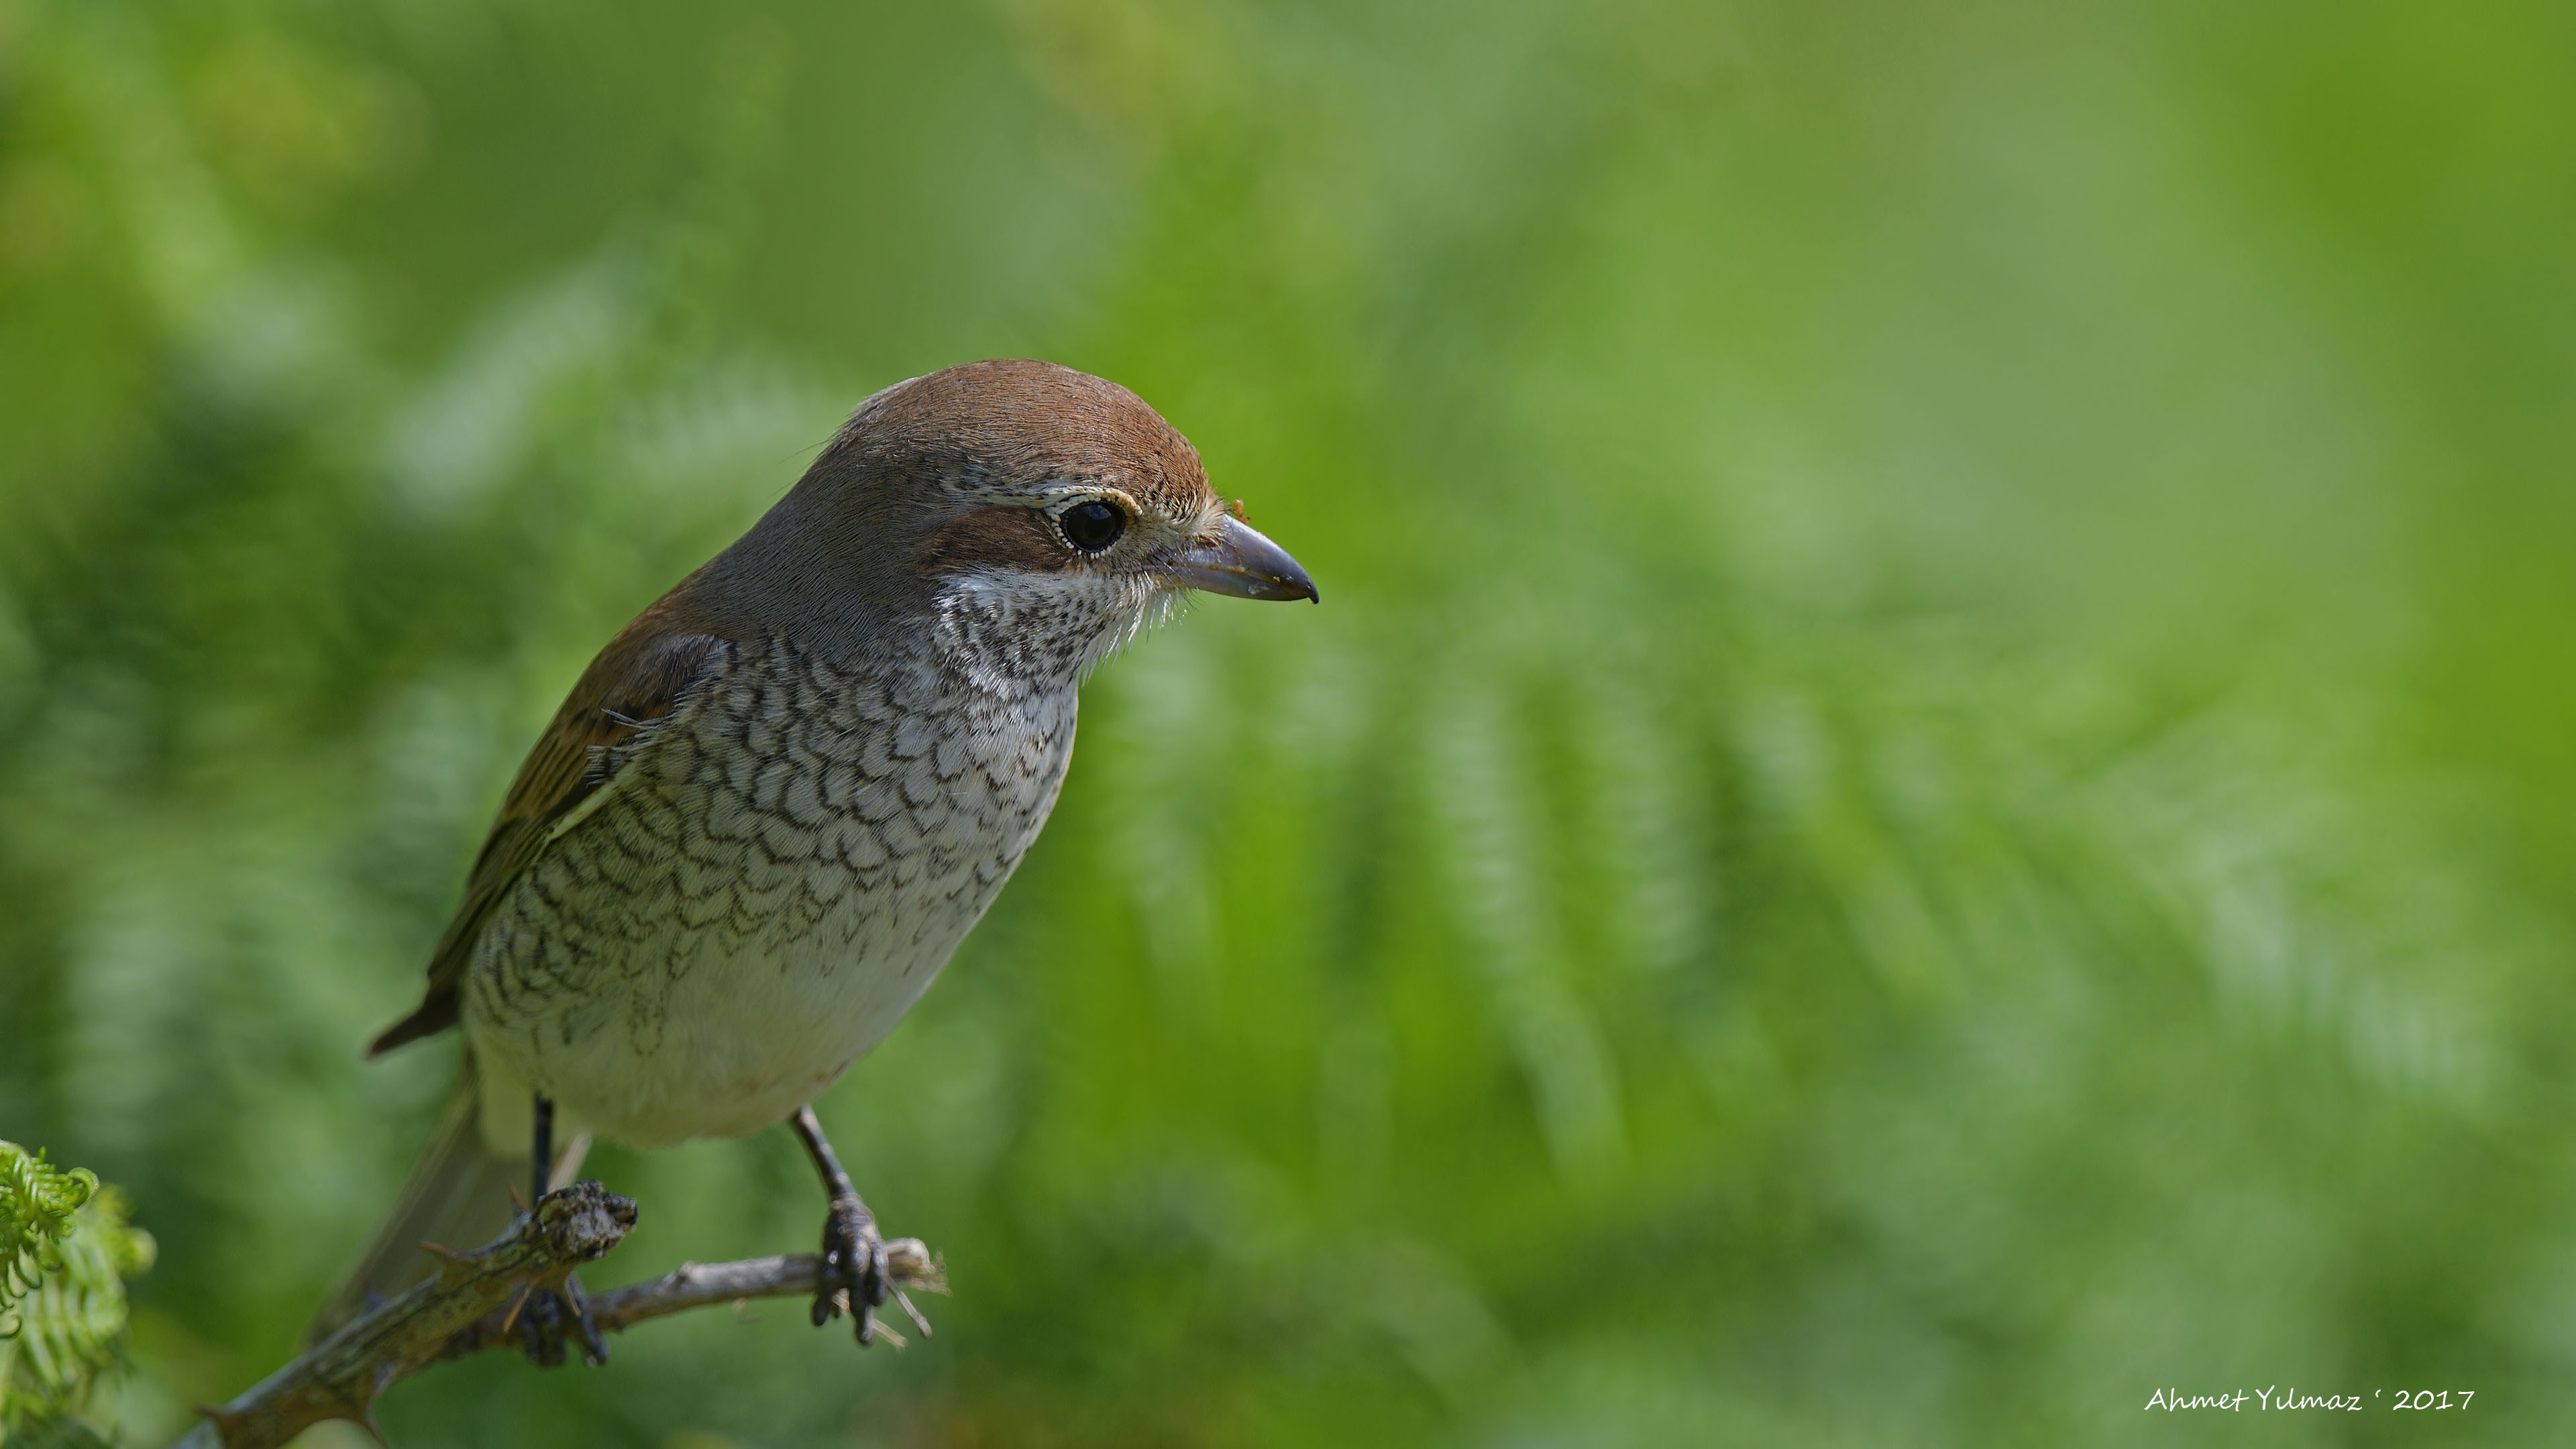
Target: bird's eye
[[1093, 526]]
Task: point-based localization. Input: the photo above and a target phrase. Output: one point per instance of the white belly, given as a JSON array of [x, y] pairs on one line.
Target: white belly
[[742, 1036]]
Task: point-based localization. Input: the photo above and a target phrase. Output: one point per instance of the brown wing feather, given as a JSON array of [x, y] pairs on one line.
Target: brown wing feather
[[643, 675]]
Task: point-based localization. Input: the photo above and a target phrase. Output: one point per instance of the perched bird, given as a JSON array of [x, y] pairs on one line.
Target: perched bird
[[777, 801]]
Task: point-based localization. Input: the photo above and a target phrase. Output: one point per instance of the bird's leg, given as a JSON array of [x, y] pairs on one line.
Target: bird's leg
[[543, 1312], [853, 1276]]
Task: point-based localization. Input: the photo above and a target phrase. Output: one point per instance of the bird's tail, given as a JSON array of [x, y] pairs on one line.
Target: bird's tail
[[461, 1194]]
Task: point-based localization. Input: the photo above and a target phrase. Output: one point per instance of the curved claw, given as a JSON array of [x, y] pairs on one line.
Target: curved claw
[[542, 1314], [594, 1345], [854, 1276]]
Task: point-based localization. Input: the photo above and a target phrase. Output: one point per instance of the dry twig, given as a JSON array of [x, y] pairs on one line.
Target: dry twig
[[464, 1308]]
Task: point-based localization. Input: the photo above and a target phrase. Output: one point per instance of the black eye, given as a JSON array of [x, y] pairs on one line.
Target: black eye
[[1093, 526]]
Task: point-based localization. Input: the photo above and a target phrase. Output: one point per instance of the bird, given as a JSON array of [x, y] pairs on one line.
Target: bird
[[776, 802]]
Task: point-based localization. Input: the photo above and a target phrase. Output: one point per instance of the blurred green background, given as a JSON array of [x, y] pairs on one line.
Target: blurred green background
[[1937, 787]]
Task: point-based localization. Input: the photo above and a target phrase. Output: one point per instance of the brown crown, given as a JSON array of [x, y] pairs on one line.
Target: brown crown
[[1021, 421]]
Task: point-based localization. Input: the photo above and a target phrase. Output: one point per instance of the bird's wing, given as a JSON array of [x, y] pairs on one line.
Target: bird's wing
[[638, 680]]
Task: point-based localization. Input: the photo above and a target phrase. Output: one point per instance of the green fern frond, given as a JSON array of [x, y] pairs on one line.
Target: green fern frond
[[37, 1201], [66, 1249]]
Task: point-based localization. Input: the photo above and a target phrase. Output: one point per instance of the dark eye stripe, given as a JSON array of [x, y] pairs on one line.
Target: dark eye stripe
[[999, 537]]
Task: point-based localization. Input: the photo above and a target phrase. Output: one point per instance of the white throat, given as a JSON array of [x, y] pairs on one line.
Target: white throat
[[1009, 633]]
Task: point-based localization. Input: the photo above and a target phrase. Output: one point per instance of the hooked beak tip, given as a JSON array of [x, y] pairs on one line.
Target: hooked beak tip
[[1240, 563]]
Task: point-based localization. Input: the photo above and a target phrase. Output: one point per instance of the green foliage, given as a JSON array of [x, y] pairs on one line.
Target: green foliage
[[1932, 791], [37, 1204], [68, 1251]]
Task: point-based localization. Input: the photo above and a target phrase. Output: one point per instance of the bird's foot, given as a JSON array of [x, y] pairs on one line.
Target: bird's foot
[[543, 1314], [853, 1277]]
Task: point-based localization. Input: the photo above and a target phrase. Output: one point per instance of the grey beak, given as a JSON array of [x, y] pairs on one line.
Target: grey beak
[[1240, 562]]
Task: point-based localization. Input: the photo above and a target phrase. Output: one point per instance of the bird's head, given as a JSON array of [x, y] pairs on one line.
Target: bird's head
[[1028, 503]]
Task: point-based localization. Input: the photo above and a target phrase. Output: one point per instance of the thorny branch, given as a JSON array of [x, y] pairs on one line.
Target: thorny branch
[[464, 1308]]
